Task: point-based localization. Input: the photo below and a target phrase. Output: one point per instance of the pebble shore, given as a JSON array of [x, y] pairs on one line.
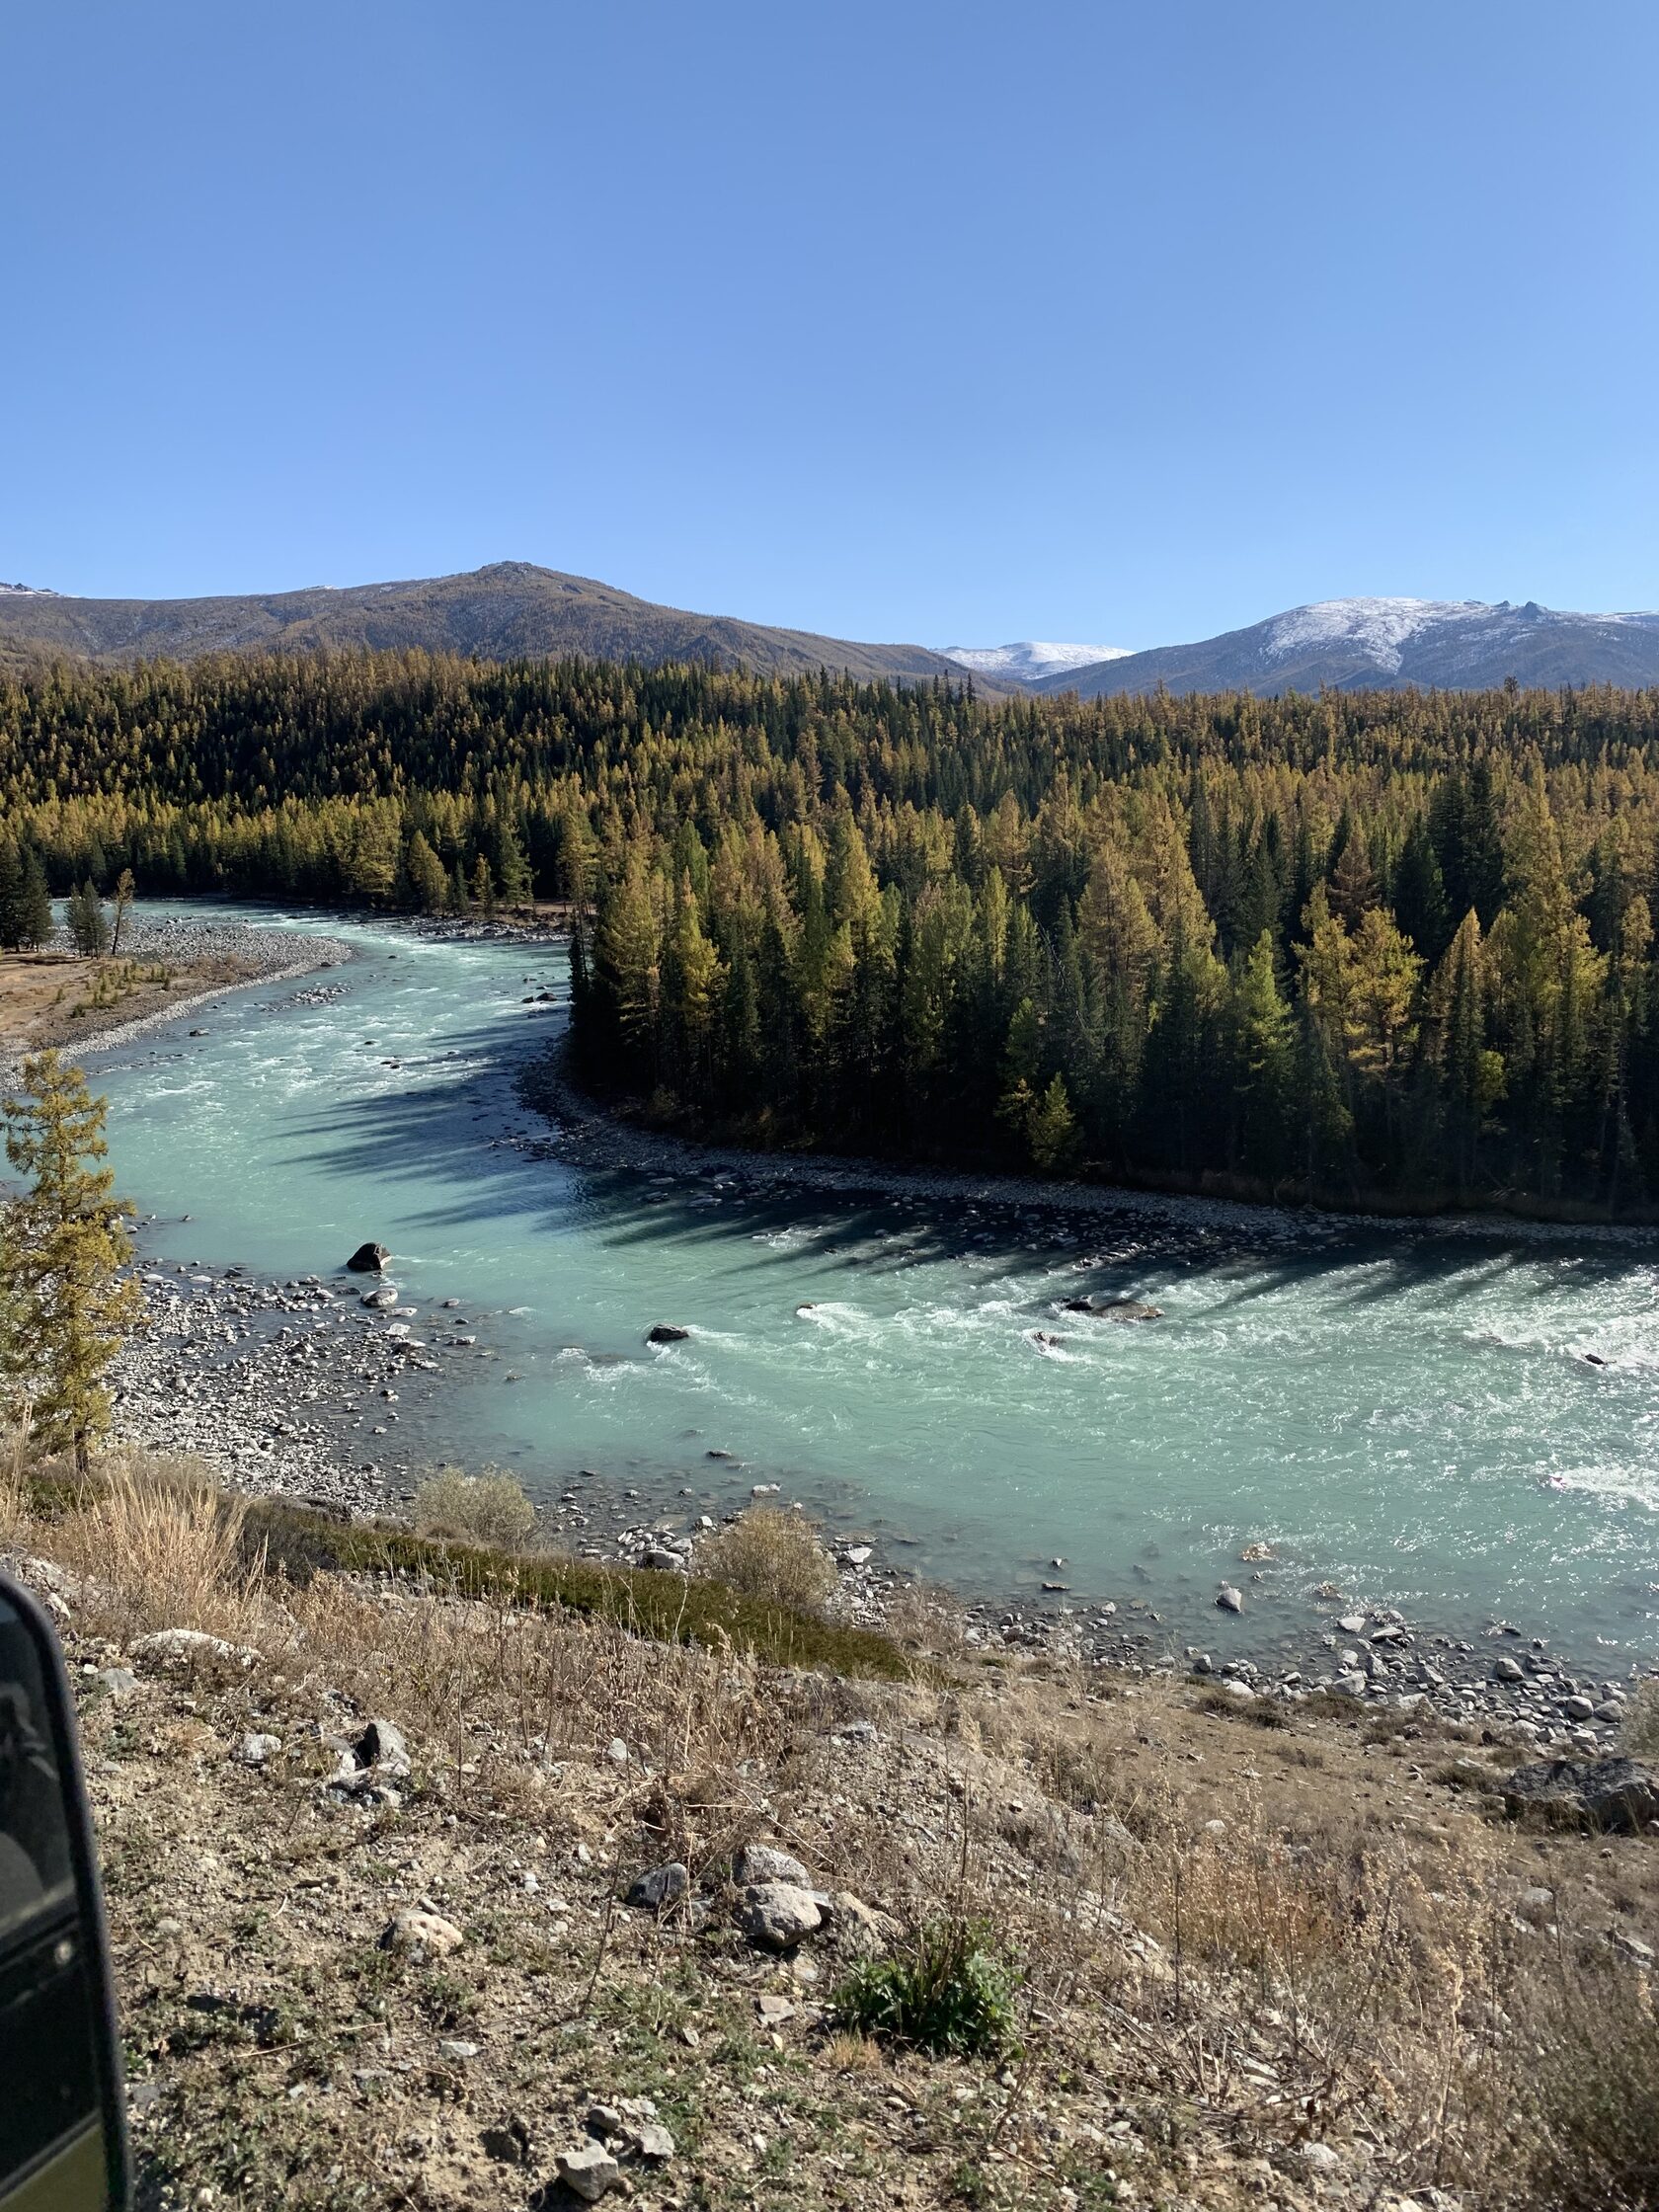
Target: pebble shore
[[176, 942]]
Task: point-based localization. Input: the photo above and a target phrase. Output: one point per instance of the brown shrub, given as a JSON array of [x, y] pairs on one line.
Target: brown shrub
[[1638, 1734], [489, 1509], [1586, 2102], [777, 1558], [163, 1549]]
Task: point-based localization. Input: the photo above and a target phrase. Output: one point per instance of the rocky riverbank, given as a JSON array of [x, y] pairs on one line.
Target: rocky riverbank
[[314, 1388], [418, 1897], [181, 962]]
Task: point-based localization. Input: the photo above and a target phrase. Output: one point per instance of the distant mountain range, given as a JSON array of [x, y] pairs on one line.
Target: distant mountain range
[[514, 609], [507, 611], [1459, 645]]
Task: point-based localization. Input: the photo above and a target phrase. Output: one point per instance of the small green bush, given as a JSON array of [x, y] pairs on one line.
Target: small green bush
[[487, 1508], [951, 1993]]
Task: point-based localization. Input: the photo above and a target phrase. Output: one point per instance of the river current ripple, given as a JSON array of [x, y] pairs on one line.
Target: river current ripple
[[1411, 1413]]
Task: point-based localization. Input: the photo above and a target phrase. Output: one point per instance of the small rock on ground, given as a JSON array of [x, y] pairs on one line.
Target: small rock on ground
[[662, 1886]]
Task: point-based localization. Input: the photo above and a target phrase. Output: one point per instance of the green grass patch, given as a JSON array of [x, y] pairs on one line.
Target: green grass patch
[[667, 1607], [950, 1991]]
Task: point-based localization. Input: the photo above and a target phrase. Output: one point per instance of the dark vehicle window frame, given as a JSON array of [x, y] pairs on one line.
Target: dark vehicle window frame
[[77, 1914]]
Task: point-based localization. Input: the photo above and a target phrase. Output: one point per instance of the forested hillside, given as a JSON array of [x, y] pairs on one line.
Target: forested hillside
[[1365, 944]]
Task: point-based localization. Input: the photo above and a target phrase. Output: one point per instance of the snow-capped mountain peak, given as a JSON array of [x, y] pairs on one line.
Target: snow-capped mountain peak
[[1031, 658], [1377, 627], [1364, 644], [1382, 629]]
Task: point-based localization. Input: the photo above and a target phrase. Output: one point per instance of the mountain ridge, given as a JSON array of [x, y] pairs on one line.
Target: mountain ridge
[[515, 609], [507, 610], [1390, 644]]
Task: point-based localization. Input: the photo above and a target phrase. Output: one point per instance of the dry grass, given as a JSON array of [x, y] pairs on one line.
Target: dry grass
[[510, 1690], [1639, 1737], [923, 1617], [489, 1508], [164, 1547], [1587, 2122], [15, 1489], [777, 1558]]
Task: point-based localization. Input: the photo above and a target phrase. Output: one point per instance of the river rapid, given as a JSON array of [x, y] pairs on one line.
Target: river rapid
[[1409, 1413]]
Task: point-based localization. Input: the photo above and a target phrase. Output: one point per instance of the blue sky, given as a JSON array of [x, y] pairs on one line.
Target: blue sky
[[952, 323]]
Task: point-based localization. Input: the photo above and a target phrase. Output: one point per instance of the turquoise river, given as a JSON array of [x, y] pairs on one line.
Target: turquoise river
[[1410, 1412]]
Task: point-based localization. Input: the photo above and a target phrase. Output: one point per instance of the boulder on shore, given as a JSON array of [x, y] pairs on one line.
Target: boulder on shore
[[1604, 1793], [369, 1259]]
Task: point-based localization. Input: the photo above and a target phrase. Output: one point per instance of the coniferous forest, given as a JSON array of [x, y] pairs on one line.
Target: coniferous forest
[[1389, 947]]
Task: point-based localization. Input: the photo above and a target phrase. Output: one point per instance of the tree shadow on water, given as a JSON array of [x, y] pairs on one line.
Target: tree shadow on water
[[450, 1138]]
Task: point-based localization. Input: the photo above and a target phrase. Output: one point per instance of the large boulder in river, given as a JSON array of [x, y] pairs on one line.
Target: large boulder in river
[[369, 1259], [665, 1332], [1115, 1309], [1603, 1793]]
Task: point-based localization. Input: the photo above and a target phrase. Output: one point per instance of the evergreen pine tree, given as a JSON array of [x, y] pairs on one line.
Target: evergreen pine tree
[[427, 883], [63, 1246], [1052, 1130], [512, 870], [34, 915], [1266, 1046], [11, 894], [89, 930], [1419, 894]]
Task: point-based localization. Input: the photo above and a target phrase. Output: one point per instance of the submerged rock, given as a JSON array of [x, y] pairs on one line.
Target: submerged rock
[[1114, 1309]]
